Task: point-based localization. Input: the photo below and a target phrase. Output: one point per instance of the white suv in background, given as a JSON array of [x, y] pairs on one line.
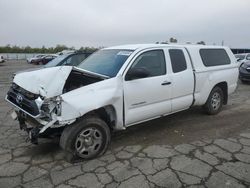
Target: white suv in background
[[1, 59]]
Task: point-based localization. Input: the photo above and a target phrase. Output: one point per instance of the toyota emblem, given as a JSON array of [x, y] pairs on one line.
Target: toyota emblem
[[19, 99]]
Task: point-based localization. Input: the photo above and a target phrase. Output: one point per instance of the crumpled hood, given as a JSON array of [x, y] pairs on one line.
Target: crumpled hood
[[48, 82]]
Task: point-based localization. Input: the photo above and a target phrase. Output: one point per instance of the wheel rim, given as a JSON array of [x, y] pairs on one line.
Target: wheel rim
[[216, 101], [88, 142]]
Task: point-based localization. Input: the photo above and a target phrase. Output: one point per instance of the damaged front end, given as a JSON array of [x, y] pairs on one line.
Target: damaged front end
[[34, 113], [38, 107]]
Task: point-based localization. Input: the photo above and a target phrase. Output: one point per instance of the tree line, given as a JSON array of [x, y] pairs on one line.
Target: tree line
[[27, 49], [43, 50], [174, 40]]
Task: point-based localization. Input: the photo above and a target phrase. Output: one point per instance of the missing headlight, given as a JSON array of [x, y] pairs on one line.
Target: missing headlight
[[52, 105], [58, 110]]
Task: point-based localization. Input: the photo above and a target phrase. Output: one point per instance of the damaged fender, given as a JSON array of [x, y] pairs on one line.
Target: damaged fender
[[80, 101]]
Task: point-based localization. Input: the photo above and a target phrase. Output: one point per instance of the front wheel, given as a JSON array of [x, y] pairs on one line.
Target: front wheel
[[214, 102], [87, 138]]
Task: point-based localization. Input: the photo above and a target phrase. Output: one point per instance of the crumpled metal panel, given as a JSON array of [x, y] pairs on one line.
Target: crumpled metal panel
[[48, 82], [80, 101]]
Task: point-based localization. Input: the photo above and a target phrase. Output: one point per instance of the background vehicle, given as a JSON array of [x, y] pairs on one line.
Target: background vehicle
[[44, 59], [119, 87], [72, 59], [65, 52], [32, 59], [1, 59], [241, 58], [244, 72]]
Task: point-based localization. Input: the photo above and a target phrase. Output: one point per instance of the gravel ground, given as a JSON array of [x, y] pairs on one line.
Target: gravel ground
[[188, 149]]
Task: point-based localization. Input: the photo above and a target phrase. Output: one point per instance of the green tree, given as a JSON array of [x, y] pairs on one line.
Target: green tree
[[173, 40], [27, 49]]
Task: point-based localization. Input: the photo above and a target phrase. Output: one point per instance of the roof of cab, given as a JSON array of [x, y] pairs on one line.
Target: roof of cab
[[143, 46]]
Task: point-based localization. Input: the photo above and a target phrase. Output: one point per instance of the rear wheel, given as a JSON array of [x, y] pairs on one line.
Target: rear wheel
[[214, 102], [87, 138]]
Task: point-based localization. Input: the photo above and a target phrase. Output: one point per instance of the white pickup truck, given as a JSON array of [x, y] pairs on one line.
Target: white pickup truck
[[118, 87]]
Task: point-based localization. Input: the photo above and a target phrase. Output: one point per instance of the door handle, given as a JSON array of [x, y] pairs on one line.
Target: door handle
[[165, 83]]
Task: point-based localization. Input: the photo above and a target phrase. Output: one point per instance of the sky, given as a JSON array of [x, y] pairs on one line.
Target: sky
[[97, 23]]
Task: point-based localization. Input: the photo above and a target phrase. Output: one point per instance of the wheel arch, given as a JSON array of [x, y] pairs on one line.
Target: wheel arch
[[107, 114], [224, 87]]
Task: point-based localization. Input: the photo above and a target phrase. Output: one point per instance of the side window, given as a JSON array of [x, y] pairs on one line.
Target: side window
[[214, 57], [153, 61], [248, 57], [67, 61], [178, 60], [82, 57], [77, 59], [74, 60]]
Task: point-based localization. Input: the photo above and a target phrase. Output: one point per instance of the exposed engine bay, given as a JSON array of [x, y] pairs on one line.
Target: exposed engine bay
[[78, 79]]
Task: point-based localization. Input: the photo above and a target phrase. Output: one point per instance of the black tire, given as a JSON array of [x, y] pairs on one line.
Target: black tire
[[71, 134], [213, 107]]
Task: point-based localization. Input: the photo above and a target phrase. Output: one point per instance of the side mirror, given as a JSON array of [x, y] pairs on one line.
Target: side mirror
[[137, 73], [238, 59]]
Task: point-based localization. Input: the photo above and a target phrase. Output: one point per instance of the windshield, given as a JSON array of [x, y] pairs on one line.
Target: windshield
[[240, 56], [106, 62], [56, 61], [248, 57]]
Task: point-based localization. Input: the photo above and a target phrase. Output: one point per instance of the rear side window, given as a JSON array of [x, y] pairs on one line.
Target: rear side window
[[178, 60], [214, 57]]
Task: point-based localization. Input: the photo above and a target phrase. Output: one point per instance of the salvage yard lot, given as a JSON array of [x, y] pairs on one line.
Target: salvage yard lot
[[184, 149]]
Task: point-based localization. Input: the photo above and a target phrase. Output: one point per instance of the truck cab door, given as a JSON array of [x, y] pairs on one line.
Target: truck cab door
[[182, 78], [149, 97]]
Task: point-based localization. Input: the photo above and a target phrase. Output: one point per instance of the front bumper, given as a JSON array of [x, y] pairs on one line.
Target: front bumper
[[28, 124], [27, 112], [244, 76], [34, 128]]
